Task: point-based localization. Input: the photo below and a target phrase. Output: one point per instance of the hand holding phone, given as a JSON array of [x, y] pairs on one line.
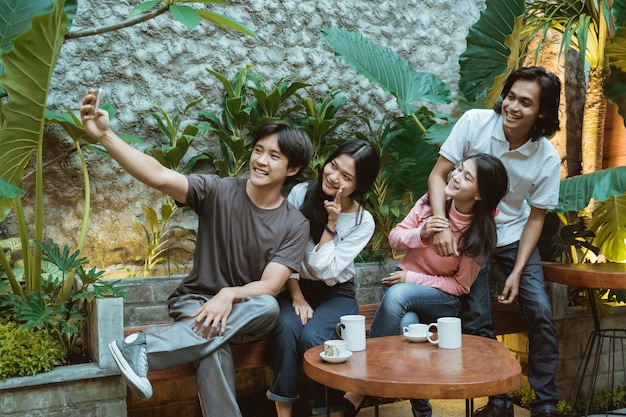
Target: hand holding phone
[[98, 95]]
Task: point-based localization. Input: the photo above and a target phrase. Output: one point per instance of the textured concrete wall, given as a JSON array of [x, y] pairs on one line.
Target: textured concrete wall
[[163, 61]]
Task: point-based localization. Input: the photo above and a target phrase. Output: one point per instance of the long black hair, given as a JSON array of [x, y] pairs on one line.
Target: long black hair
[[480, 238], [366, 164]]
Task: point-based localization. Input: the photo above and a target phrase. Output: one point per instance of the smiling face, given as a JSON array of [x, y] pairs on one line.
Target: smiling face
[[340, 172], [462, 186], [520, 109], [268, 165]]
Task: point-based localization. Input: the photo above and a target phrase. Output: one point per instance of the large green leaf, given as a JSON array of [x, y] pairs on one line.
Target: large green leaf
[[576, 192], [609, 225], [383, 67], [487, 54], [15, 17], [619, 11], [186, 15], [29, 66]]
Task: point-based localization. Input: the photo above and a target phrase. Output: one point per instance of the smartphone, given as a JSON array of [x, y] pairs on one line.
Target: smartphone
[[96, 105]]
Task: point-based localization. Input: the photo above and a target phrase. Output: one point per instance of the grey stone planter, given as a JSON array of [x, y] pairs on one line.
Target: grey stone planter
[[145, 300], [91, 389]]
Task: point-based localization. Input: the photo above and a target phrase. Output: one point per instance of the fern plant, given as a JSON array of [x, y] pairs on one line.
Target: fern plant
[[39, 309]]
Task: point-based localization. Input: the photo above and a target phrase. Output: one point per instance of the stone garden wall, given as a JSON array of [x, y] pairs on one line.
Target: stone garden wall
[[164, 62]]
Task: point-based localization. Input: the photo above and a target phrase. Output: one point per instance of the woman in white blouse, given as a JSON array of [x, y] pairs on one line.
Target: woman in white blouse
[[324, 290]]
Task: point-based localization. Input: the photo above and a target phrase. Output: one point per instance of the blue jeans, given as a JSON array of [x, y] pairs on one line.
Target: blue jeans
[[405, 304], [543, 351], [290, 339]]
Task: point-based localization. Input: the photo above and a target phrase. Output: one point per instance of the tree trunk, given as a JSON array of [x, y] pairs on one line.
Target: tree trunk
[[575, 90], [614, 138], [593, 122]]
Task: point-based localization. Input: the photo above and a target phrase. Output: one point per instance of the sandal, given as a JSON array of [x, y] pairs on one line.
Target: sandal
[[350, 409]]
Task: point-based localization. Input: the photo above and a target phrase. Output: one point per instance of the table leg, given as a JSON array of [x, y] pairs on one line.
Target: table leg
[[469, 407], [375, 406], [326, 401]]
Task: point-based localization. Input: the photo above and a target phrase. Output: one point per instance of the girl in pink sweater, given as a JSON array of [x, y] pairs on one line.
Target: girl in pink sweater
[[426, 286]]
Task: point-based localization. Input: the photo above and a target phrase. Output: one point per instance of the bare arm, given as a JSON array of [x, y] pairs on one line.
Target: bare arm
[[141, 166], [444, 242], [300, 305], [527, 243], [215, 312]]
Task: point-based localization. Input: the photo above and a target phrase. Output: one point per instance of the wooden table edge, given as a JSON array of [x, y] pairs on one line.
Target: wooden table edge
[[508, 382]]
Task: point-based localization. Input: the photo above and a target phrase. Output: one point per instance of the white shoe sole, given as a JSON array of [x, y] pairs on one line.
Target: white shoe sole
[[140, 385]]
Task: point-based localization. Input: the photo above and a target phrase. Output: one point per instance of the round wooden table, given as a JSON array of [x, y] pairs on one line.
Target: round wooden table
[[587, 275], [591, 276], [393, 367]]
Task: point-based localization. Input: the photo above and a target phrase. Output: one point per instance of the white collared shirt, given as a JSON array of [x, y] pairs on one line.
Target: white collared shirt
[[533, 168]]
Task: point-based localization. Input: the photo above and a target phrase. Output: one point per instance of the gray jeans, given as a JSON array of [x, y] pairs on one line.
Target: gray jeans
[[176, 344]]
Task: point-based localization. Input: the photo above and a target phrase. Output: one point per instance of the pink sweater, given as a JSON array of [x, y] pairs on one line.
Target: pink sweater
[[453, 274]]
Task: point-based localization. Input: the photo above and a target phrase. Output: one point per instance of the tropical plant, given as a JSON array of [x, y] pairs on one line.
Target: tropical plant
[[498, 44], [320, 120], [400, 181], [388, 70], [248, 103], [607, 186], [566, 237], [39, 309], [407, 145], [162, 236]]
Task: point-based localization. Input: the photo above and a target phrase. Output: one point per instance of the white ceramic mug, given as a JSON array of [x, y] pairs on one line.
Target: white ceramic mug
[[335, 348], [416, 330], [448, 332], [352, 330]]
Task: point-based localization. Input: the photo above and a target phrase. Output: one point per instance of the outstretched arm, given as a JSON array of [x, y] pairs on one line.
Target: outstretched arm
[[141, 166]]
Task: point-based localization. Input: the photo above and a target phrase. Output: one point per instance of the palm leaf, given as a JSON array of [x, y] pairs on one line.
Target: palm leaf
[[609, 225], [488, 53], [576, 192], [27, 87], [381, 66]]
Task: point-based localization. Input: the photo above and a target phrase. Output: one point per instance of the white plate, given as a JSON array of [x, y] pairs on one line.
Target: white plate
[[417, 339], [336, 359]]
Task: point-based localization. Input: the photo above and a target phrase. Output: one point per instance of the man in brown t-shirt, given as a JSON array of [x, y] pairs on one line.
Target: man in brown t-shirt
[[250, 239]]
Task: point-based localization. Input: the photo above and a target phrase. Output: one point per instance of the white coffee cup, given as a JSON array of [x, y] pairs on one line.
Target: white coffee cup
[[352, 330], [448, 332], [335, 348], [416, 330]]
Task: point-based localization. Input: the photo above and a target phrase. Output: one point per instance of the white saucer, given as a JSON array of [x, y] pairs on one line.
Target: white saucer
[[335, 359], [417, 339]]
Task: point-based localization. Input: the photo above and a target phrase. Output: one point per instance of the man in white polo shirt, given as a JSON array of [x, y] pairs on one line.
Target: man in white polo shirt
[[514, 131]]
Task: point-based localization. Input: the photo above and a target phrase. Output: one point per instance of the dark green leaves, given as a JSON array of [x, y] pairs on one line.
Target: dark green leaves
[[383, 67]]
